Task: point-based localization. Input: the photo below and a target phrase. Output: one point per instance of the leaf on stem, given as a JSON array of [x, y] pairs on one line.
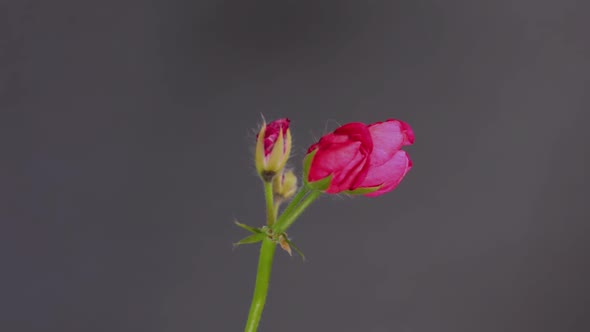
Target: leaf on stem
[[295, 248], [254, 238], [251, 229]]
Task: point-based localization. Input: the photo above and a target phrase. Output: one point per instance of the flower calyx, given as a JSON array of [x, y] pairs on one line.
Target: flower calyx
[[258, 234]]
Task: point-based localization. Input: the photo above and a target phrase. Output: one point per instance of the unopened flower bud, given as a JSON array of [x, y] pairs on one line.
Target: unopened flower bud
[[285, 185], [273, 147]]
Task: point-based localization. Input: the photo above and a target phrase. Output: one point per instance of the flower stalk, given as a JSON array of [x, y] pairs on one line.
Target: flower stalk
[[267, 251], [295, 201], [287, 218], [355, 159], [270, 208]]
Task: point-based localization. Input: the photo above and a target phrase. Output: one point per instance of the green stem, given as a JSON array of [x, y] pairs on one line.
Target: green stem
[[267, 251], [275, 210], [286, 219], [270, 209], [295, 201], [299, 203]]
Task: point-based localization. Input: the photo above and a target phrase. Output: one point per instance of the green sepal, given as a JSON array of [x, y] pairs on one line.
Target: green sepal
[[296, 249], [320, 185], [248, 228], [254, 238], [307, 164], [362, 191], [259, 152]]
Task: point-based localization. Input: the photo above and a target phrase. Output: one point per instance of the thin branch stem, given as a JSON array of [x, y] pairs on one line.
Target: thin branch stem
[[295, 201], [270, 209], [286, 219], [267, 250], [300, 202]]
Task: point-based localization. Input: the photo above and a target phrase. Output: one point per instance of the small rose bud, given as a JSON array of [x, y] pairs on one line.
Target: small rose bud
[[285, 185], [273, 147]]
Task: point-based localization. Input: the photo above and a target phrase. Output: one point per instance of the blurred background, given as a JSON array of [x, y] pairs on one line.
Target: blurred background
[[127, 132]]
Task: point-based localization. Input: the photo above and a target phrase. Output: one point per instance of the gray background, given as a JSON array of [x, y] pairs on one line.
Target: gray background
[[127, 137]]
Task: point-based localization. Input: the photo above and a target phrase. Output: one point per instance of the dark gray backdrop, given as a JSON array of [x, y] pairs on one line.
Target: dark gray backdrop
[[127, 132]]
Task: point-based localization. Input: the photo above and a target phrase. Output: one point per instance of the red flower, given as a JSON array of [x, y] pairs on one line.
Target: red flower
[[273, 146], [271, 134], [362, 158], [344, 154]]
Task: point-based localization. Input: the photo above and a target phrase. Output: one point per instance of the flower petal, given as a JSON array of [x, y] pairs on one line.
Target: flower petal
[[272, 132], [408, 133], [388, 137], [388, 175], [337, 160], [342, 154], [354, 172]]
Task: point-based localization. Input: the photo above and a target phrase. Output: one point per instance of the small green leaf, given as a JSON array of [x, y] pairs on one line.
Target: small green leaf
[[254, 238], [362, 191], [248, 228], [296, 249]]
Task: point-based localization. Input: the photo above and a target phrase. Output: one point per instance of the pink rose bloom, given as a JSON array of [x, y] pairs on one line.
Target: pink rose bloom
[[360, 156]]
